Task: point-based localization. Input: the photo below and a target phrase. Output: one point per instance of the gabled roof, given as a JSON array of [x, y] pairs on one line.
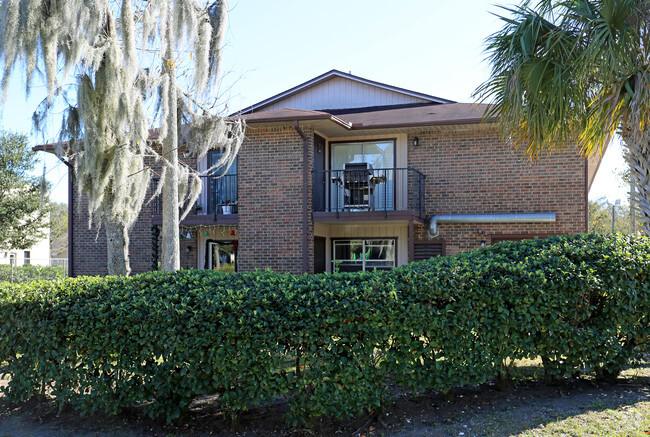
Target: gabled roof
[[333, 74]]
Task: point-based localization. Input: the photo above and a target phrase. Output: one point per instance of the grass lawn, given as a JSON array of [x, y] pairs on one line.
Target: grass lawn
[[577, 407]]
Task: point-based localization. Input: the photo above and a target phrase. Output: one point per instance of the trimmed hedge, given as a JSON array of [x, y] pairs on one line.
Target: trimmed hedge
[[329, 343]]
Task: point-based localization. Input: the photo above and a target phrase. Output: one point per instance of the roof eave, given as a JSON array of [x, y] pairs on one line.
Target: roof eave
[[361, 126], [49, 147]]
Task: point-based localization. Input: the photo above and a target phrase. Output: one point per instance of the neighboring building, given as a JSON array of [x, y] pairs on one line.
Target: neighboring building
[[38, 254], [345, 173]]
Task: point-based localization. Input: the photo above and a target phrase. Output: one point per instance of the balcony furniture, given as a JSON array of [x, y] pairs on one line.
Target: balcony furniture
[[359, 187]]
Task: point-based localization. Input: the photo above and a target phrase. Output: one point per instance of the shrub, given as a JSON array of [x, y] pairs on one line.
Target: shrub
[[328, 343], [29, 273]]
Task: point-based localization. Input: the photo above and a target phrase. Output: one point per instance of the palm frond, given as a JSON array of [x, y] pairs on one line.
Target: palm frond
[[566, 71]]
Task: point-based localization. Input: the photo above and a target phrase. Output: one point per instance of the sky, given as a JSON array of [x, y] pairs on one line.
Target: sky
[[430, 46]]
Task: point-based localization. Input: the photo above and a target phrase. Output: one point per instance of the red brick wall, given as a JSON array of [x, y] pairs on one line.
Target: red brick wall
[[89, 245], [469, 170], [189, 257], [271, 200]]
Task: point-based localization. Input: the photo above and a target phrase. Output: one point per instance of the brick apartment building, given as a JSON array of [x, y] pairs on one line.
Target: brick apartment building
[[341, 172]]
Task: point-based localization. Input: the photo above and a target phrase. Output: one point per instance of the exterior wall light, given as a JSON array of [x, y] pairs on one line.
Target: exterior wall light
[[416, 141]]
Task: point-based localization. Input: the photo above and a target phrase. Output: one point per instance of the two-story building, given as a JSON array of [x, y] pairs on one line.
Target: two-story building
[[342, 172]]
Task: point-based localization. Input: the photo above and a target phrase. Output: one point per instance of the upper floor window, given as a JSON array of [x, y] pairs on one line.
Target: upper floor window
[[379, 154], [362, 176], [222, 186], [214, 157]]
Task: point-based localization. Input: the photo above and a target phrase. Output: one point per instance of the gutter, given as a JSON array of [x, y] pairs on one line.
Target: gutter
[[488, 218], [305, 187], [326, 117]]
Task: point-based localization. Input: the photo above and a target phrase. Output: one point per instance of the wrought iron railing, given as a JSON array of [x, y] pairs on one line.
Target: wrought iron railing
[[219, 196], [381, 189]]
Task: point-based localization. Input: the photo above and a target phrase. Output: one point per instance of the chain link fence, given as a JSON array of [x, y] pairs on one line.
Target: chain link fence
[[36, 270]]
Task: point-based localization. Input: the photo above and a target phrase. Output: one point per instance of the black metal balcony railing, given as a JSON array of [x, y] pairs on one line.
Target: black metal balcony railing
[[219, 196], [382, 189]]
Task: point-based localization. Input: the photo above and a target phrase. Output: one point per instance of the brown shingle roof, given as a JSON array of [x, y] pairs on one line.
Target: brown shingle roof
[[376, 118]]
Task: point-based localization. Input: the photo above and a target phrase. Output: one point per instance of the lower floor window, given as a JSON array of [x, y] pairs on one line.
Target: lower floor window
[[357, 255]]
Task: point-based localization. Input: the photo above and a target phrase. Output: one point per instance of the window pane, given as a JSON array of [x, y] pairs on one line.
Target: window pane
[[222, 257], [223, 190], [214, 159], [380, 249], [379, 155], [354, 255], [348, 250], [344, 153]]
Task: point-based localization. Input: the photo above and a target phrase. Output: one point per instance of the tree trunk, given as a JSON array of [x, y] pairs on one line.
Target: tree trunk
[[117, 248], [171, 255], [638, 158]]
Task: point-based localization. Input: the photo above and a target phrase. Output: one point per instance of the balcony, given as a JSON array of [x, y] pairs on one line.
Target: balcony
[[217, 204], [360, 192]]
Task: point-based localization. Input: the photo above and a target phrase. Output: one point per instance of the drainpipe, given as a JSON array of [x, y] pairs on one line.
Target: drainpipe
[[71, 212], [488, 218], [305, 187]]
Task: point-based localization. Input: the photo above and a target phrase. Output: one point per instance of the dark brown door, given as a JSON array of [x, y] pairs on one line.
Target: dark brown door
[[318, 190], [319, 255]]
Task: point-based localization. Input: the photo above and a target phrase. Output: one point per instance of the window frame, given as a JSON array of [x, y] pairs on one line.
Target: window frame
[[364, 239], [221, 179], [353, 141], [330, 163], [234, 243]]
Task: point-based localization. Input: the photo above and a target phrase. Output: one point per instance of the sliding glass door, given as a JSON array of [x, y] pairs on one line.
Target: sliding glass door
[[222, 197], [362, 176]]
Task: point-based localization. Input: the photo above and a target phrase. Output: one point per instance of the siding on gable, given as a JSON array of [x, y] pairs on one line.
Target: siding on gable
[[341, 93]]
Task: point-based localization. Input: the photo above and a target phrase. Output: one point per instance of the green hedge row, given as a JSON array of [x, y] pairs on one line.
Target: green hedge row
[[329, 344], [29, 273]]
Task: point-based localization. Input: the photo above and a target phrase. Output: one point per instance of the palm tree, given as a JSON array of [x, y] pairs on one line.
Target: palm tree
[[575, 71]]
